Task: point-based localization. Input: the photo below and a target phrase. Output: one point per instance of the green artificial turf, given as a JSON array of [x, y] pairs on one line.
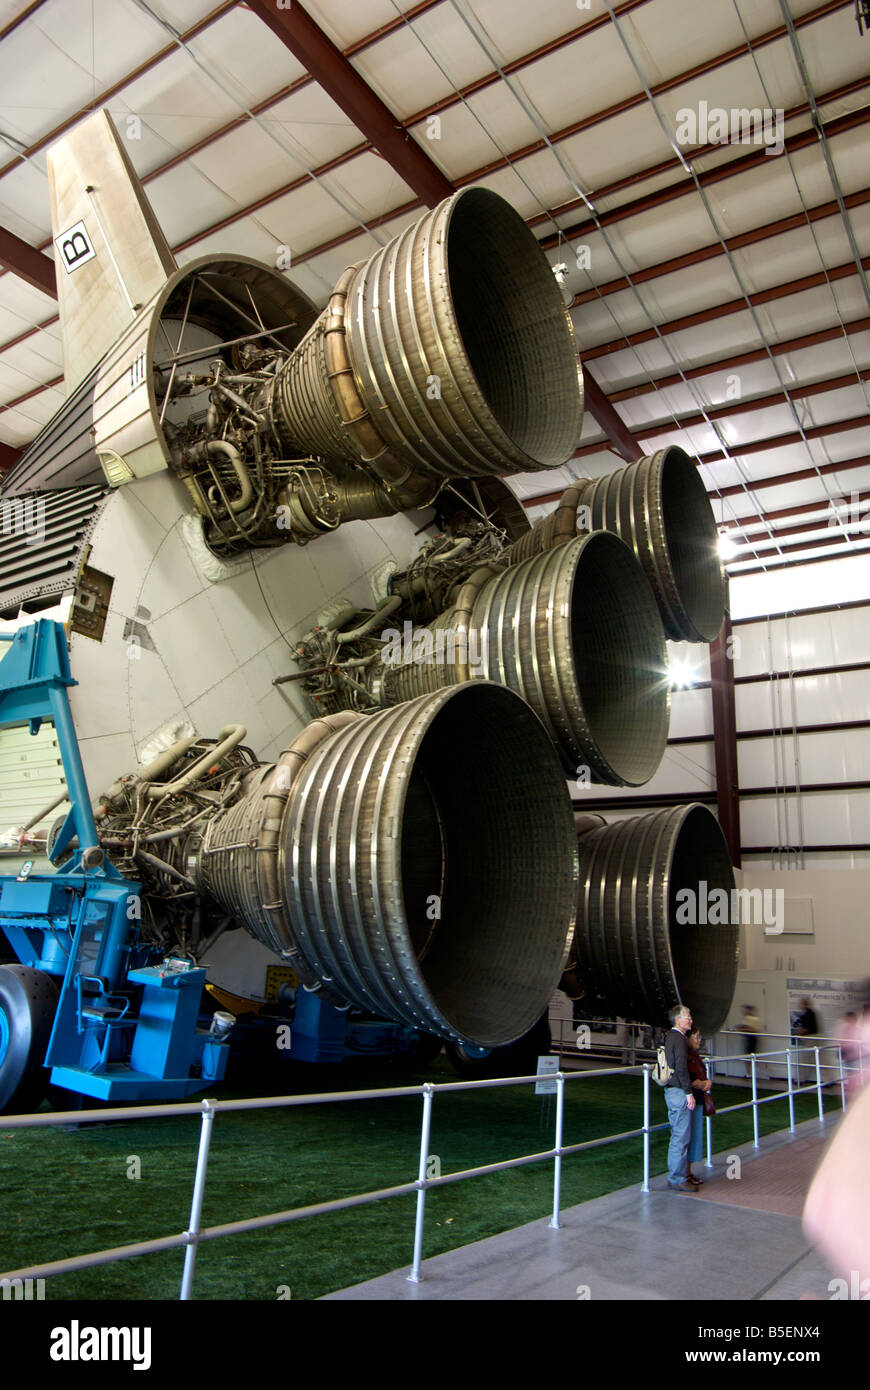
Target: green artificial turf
[[65, 1192]]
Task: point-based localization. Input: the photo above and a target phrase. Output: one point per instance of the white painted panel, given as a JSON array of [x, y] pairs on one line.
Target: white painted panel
[[210, 651], [829, 757], [827, 818], [346, 24], [691, 713], [839, 860], [52, 60], [689, 662], [817, 700], [810, 586], [815, 639], [798, 915], [685, 772], [105, 758], [238, 963]]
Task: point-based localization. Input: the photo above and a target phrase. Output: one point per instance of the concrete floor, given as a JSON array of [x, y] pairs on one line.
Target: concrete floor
[[631, 1245]]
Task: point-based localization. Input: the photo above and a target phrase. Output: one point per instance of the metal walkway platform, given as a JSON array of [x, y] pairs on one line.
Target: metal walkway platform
[[740, 1240]]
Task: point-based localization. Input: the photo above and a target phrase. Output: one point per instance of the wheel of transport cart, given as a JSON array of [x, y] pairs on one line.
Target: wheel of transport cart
[[519, 1058], [28, 1002]]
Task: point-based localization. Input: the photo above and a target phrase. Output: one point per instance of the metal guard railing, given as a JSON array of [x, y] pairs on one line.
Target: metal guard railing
[[196, 1233]]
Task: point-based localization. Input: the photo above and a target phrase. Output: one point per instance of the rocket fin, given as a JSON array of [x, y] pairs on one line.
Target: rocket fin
[[110, 253]]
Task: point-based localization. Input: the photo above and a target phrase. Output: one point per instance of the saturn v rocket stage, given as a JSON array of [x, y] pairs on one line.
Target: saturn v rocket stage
[[218, 438]]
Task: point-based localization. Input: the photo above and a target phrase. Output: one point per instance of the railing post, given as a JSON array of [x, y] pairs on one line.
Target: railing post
[[754, 1099], [208, 1114], [790, 1090], [645, 1187], [415, 1277], [819, 1085], [842, 1077], [555, 1223], [709, 1126]]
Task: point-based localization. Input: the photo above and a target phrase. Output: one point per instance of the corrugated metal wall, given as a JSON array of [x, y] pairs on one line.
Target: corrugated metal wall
[[31, 775]]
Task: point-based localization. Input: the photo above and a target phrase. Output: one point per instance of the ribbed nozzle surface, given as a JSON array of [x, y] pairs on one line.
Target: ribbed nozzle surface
[[644, 939], [428, 857], [659, 506], [576, 632], [461, 355]]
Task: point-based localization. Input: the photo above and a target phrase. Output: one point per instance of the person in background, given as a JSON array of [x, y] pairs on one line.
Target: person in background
[[803, 1025], [853, 1035], [704, 1105], [750, 1024], [680, 1100]]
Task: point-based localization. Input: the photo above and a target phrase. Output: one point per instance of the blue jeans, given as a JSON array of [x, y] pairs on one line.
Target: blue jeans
[[696, 1143], [680, 1117]]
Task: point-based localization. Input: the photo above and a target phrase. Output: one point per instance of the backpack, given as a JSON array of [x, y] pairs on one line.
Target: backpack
[[662, 1071]]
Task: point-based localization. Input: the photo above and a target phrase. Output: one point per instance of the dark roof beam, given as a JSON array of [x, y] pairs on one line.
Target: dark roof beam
[[724, 310], [744, 359], [600, 408], [378, 124], [724, 412], [9, 456], [805, 509], [27, 262]]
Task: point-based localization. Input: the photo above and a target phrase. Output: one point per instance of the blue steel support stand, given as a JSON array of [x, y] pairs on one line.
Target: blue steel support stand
[[81, 923]]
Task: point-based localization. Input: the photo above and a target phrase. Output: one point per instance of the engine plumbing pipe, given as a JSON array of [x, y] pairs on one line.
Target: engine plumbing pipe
[[228, 739]]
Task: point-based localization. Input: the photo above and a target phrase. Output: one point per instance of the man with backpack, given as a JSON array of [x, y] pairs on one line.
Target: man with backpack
[[679, 1099]]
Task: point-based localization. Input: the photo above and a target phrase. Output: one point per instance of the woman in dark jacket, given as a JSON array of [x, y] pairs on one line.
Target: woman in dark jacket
[[700, 1084]]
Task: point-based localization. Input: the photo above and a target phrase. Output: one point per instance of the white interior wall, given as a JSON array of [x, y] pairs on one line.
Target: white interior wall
[[804, 640], [766, 646], [835, 953]]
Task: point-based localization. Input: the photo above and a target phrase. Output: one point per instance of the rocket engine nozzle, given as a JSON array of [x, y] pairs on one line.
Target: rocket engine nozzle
[[643, 942], [419, 863]]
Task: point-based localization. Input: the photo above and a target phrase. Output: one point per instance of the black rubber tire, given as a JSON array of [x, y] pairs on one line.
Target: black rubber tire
[[428, 1048], [28, 1000], [519, 1058], [422, 1055]]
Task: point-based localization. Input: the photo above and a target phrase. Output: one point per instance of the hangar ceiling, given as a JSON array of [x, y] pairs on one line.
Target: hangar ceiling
[[718, 289]]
